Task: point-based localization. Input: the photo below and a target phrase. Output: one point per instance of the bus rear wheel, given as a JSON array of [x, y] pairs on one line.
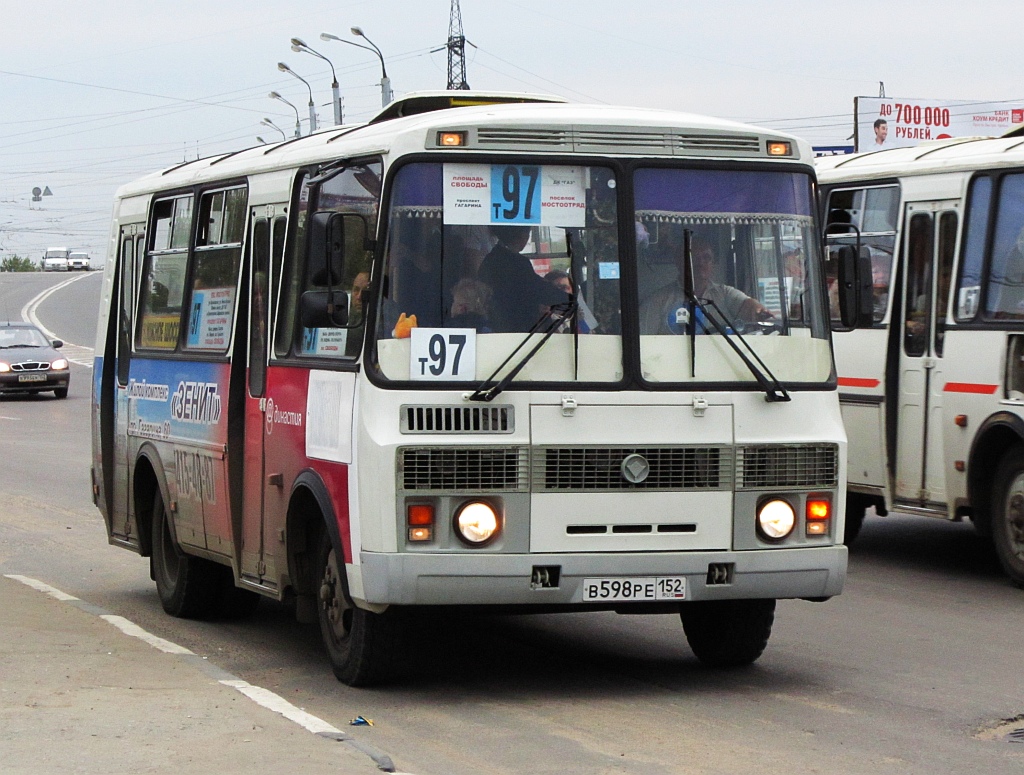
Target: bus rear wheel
[[188, 586], [361, 645], [728, 633], [1008, 514]]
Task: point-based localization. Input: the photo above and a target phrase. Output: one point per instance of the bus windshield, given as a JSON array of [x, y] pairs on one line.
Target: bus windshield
[[478, 256]]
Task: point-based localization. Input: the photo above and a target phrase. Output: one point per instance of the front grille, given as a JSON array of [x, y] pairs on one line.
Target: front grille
[[583, 139], [597, 469], [30, 366], [465, 469], [457, 419], [787, 465]]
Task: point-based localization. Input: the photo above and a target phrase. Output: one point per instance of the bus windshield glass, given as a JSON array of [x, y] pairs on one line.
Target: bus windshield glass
[[753, 267], [477, 257], [480, 255]]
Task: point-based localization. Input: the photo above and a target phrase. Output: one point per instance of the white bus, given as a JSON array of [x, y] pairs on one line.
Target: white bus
[[56, 259], [931, 378], [411, 363]]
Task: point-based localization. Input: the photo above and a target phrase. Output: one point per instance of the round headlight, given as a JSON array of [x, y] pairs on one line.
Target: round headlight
[[776, 519], [477, 523]]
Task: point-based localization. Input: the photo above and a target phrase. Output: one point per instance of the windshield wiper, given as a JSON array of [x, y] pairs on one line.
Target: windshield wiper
[[546, 325], [773, 389], [13, 346]]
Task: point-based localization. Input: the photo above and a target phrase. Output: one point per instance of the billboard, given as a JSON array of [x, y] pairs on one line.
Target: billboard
[[892, 122]]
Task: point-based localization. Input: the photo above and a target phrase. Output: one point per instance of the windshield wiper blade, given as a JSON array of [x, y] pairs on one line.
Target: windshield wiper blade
[[773, 389], [546, 325]]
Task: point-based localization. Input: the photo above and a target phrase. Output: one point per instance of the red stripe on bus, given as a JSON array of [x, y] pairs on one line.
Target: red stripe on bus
[[858, 382], [970, 387]]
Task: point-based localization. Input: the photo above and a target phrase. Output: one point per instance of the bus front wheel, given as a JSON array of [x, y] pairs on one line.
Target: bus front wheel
[[728, 633], [1008, 514], [361, 645], [188, 586]]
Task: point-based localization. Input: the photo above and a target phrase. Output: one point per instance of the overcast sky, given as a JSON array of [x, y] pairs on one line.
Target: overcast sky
[[94, 93]]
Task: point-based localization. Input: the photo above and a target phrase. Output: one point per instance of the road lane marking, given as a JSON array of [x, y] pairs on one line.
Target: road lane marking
[[132, 629], [262, 697], [28, 314]]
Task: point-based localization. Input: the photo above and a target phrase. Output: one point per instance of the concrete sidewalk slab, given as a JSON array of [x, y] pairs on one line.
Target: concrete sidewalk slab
[[78, 695]]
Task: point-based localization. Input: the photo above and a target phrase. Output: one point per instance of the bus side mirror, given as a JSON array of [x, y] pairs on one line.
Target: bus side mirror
[[324, 309], [326, 257], [336, 240], [856, 300]]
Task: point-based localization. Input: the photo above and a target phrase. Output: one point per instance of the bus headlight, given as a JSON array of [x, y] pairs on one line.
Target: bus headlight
[[477, 523], [776, 519]]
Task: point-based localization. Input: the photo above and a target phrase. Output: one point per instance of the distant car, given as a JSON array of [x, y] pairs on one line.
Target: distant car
[[30, 363]]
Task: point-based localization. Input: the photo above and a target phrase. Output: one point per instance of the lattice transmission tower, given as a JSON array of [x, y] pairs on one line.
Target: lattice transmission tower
[[456, 50]]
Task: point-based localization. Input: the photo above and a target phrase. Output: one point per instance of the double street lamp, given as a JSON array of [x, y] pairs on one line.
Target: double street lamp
[[312, 108], [267, 122], [275, 96], [385, 82], [300, 46]]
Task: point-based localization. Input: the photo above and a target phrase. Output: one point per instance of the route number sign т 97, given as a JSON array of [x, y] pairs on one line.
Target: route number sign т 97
[[523, 194]]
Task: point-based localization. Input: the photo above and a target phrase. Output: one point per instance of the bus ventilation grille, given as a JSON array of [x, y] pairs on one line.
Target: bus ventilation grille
[[667, 142], [467, 469], [598, 469], [787, 465], [457, 419]]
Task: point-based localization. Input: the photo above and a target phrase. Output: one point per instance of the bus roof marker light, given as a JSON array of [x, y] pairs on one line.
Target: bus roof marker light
[[779, 148], [451, 139]]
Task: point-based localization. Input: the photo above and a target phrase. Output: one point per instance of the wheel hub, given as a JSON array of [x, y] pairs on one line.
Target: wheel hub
[[332, 598]]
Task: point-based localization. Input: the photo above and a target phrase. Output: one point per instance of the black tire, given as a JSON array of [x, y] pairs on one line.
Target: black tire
[[856, 505], [1008, 514], [728, 633], [188, 586], [362, 646], [61, 392]]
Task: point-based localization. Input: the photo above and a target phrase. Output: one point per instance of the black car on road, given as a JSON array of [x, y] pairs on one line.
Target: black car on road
[[30, 363]]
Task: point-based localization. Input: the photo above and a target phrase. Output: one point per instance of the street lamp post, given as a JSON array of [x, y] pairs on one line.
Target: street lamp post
[[275, 96], [385, 82], [300, 45], [312, 108], [272, 125]]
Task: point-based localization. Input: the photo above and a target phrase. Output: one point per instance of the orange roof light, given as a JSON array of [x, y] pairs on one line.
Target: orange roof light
[[451, 139], [779, 148]]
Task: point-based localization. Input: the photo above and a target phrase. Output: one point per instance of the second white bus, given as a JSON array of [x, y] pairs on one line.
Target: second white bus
[[931, 378]]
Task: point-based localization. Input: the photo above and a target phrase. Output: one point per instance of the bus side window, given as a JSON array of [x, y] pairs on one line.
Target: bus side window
[[356, 190], [215, 270], [163, 286], [1004, 299], [975, 231]]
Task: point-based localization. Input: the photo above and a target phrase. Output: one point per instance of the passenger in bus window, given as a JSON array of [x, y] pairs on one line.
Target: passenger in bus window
[[415, 273], [517, 291], [470, 300], [666, 310]]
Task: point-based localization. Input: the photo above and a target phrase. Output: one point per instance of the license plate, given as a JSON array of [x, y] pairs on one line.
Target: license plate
[[632, 589], [31, 378]]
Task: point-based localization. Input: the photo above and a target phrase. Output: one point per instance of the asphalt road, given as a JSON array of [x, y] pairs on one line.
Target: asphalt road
[[914, 669]]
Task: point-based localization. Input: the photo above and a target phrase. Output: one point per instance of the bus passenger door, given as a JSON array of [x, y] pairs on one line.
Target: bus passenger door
[[930, 229], [258, 555], [132, 248]]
